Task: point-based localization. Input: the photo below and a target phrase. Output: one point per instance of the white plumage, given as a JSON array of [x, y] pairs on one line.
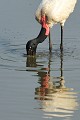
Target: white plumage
[[56, 11], [50, 12]]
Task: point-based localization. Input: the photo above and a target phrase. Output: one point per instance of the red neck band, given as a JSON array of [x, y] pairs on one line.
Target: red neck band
[[44, 24]]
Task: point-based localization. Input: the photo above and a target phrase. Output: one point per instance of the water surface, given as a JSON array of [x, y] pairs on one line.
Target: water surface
[[41, 87]]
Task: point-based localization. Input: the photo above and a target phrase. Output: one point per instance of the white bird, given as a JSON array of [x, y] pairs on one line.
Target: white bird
[[50, 12]]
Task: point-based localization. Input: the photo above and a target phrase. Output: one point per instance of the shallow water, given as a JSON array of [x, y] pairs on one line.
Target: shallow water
[[41, 87]]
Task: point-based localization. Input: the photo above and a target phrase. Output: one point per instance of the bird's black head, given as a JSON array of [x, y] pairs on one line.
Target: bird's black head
[[32, 44], [31, 47]]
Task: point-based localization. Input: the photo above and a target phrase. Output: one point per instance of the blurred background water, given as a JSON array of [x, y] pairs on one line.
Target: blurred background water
[[41, 87]]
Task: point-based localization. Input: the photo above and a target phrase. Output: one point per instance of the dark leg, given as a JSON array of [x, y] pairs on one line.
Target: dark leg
[[61, 57], [50, 43], [61, 45]]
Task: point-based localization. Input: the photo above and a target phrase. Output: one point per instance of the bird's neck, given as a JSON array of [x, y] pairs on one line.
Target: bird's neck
[[45, 30], [42, 36]]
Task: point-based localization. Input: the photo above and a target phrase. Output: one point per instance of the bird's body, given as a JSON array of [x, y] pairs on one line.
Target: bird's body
[[56, 11], [50, 12]]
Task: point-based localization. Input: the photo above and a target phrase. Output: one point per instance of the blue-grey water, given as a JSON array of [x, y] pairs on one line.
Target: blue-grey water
[[45, 86]]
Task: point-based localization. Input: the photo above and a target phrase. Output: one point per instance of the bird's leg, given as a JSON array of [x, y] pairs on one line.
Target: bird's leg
[[61, 45], [50, 43]]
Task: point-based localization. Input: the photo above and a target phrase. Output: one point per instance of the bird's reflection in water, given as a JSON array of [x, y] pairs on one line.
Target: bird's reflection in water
[[55, 99], [31, 61]]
